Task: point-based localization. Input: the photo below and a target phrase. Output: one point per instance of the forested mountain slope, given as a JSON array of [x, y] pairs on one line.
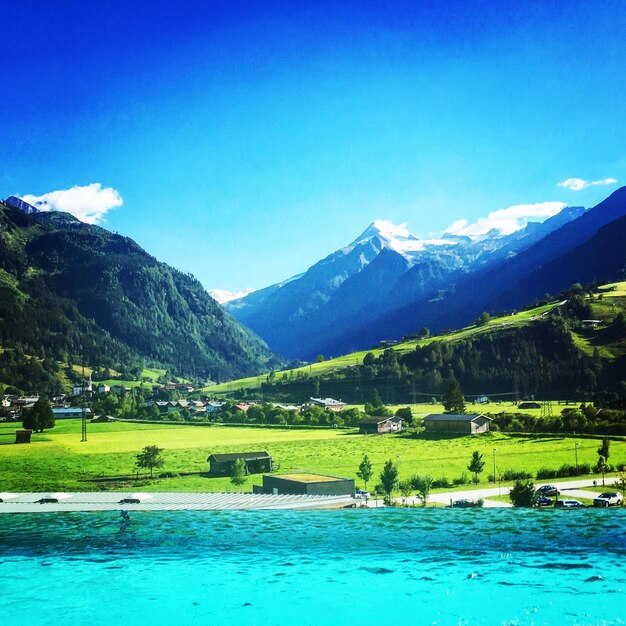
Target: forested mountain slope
[[73, 290]]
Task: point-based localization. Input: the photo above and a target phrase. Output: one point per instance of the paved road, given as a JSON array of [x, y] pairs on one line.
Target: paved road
[[572, 488]]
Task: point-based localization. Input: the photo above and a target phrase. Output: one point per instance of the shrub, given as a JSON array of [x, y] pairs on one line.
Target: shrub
[[545, 472], [523, 494], [461, 480], [564, 471], [441, 482]]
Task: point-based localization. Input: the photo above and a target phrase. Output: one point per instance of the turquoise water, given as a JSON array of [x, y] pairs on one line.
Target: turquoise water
[[326, 567]]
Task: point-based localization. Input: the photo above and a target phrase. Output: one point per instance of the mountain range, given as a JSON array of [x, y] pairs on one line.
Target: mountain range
[[388, 283], [71, 291]]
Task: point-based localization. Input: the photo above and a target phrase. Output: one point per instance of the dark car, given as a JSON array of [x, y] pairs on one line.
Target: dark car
[[544, 501], [569, 504], [548, 490], [462, 504]]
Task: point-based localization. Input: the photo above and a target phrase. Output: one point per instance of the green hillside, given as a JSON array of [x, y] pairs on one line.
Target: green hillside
[[540, 351], [77, 293]]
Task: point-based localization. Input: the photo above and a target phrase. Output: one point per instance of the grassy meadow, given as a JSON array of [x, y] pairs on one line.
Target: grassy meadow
[[57, 459]]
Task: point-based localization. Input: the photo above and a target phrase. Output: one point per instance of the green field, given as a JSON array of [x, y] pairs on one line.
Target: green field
[[57, 459]]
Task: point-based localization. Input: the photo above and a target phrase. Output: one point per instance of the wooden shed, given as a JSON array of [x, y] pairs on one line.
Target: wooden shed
[[379, 425], [23, 436], [256, 463], [470, 424]]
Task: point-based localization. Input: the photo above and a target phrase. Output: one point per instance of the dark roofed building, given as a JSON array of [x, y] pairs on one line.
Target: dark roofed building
[[470, 424], [309, 484], [529, 405], [256, 463], [376, 425], [330, 404]]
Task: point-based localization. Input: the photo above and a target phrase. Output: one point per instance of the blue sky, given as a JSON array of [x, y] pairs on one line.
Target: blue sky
[[247, 140]]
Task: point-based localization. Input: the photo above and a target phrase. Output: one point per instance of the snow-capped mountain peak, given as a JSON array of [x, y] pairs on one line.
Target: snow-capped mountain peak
[[398, 238]]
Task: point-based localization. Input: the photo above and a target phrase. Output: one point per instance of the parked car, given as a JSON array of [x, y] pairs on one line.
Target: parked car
[[544, 501], [548, 490], [360, 493], [462, 504], [609, 498], [569, 504]]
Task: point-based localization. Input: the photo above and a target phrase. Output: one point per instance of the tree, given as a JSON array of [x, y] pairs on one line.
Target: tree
[[389, 478], [423, 486], [423, 332], [453, 400], [405, 414], [523, 493], [482, 319], [240, 473], [476, 465], [365, 470], [369, 359], [604, 451], [320, 358], [40, 416], [150, 457], [405, 487], [375, 406]]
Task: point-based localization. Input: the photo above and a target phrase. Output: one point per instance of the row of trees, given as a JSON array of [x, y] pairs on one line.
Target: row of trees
[[585, 419]]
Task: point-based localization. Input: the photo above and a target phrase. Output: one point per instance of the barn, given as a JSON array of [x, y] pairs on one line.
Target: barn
[[470, 424], [256, 463]]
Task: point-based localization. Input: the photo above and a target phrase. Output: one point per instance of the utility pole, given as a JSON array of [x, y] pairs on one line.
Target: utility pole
[[494, 466], [576, 452]]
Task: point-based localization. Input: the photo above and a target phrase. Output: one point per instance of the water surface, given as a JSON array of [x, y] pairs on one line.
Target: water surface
[[325, 567]]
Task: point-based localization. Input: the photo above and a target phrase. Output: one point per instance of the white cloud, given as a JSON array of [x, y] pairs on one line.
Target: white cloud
[[578, 184], [223, 296], [390, 230], [89, 203], [508, 220]]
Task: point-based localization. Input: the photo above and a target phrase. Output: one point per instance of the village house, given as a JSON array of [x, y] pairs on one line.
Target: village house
[[286, 407], [388, 343], [63, 412], [379, 425], [590, 324], [102, 388], [213, 407], [256, 463], [85, 387], [330, 404], [471, 424]]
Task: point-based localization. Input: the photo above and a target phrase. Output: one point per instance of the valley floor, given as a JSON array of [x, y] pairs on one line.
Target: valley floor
[[57, 460]]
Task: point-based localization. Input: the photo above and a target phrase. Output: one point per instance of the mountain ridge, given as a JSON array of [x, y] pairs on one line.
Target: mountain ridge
[[301, 319], [74, 278]]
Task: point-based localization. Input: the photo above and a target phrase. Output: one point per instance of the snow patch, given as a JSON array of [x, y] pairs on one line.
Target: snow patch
[[223, 296]]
